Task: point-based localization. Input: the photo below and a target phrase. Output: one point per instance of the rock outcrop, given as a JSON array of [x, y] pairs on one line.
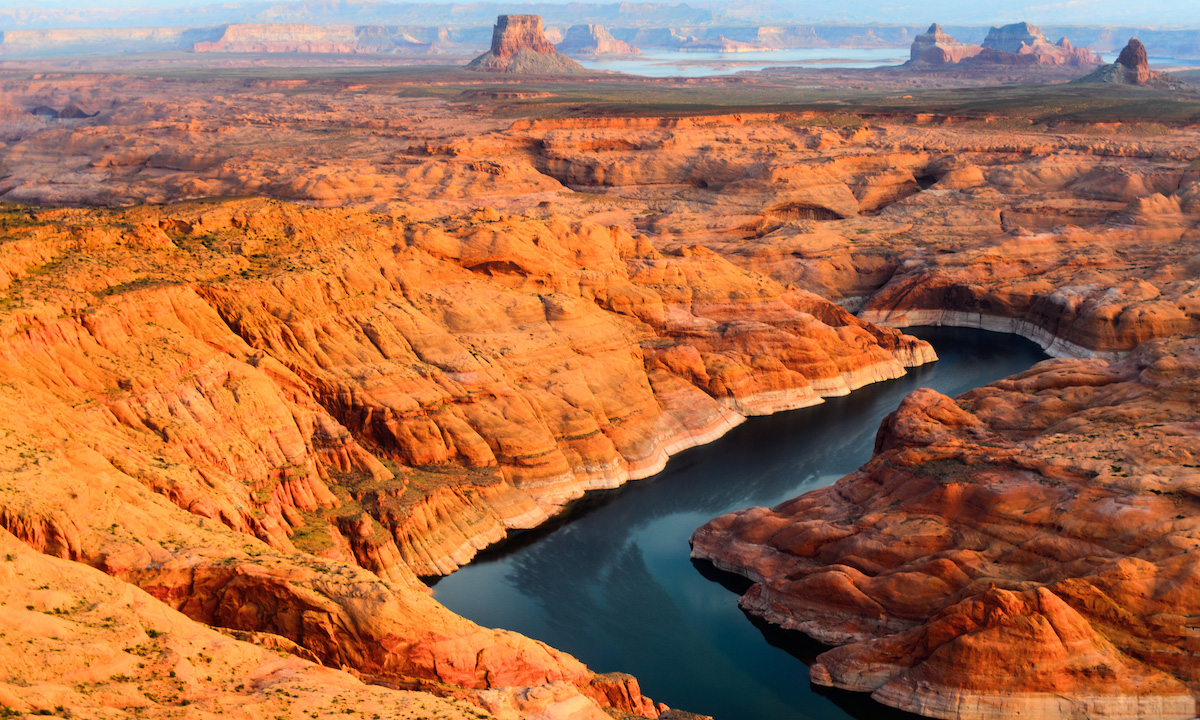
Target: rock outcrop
[[937, 48], [1013, 38], [1132, 67], [593, 40], [519, 46], [272, 416], [1025, 43], [1026, 549], [80, 642], [1019, 44], [1136, 62]]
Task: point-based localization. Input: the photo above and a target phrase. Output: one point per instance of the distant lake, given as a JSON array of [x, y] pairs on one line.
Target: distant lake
[[1158, 63], [667, 63], [674, 63]]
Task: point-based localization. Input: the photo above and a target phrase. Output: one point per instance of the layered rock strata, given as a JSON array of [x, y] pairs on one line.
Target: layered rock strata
[[937, 48], [519, 45], [404, 399], [83, 643], [1016, 44], [1026, 548]]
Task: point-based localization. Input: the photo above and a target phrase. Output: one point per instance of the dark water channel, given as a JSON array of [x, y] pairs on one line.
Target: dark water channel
[[614, 585]]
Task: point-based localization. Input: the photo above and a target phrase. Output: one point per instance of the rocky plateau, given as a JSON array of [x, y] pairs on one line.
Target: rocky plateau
[[293, 342]]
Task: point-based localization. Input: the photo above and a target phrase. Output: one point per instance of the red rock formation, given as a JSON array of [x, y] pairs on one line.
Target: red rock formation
[[1024, 549], [1017, 44], [1135, 61], [1131, 68], [82, 642], [520, 46], [938, 48]]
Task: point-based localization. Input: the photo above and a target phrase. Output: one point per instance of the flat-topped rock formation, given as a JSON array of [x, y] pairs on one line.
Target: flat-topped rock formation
[[1016, 44], [593, 40], [937, 48], [519, 46], [1012, 38], [303, 38]]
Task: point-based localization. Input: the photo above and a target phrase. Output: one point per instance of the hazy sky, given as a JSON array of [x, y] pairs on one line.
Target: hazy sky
[[966, 12]]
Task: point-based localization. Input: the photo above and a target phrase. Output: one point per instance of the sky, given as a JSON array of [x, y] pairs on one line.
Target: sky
[[1154, 13]]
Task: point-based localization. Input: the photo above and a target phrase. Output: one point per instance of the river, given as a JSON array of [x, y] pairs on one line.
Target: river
[[613, 584]]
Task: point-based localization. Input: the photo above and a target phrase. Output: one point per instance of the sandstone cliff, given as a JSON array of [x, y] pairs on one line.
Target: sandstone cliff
[[260, 404], [519, 46], [1025, 549], [300, 38], [937, 48], [82, 643], [1016, 44]]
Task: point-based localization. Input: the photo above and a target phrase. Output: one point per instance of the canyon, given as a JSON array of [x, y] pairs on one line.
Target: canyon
[[295, 341]]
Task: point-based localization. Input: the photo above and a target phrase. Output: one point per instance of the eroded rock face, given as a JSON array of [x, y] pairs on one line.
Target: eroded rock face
[[519, 45], [1135, 61], [1132, 67], [445, 386], [301, 408], [938, 48], [1011, 45], [82, 642], [1024, 549], [1010, 38]]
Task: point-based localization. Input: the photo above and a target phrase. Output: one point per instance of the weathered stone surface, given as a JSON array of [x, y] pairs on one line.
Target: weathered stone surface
[[937, 48], [1010, 45], [1134, 59], [519, 45], [300, 408], [1026, 548]]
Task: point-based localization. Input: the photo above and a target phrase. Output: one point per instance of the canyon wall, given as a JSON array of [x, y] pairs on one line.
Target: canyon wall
[[1029, 547], [435, 327]]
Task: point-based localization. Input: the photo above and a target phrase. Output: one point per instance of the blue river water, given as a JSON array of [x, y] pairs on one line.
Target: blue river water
[[613, 583]]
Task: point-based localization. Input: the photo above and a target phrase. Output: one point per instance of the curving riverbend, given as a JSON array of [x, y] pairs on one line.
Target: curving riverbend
[[614, 584]]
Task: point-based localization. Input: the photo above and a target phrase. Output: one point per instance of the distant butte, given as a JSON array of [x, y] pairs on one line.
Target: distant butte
[[1131, 68], [1016, 44], [519, 45], [594, 40], [938, 48]]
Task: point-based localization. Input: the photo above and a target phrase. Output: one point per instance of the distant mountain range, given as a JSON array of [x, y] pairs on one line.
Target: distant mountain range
[[55, 26], [1161, 14]]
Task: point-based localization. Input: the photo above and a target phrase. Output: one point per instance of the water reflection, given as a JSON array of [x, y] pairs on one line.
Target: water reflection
[[614, 584]]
